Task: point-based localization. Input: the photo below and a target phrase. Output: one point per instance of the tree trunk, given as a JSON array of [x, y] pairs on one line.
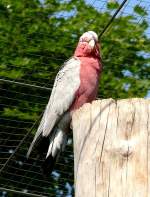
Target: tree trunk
[[112, 148]]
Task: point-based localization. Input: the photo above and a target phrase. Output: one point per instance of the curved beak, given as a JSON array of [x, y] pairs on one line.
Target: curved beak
[[92, 43]]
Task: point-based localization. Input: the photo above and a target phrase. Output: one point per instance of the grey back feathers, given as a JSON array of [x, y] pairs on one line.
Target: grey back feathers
[[66, 84], [62, 96]]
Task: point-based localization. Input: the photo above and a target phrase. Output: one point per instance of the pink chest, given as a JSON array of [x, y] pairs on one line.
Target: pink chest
[[89, 74], [90, 70]]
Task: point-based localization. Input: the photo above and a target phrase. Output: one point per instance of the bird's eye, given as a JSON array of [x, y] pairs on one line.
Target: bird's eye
[[85, 39]]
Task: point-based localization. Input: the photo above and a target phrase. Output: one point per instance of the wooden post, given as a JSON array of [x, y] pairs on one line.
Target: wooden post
[[112, 148]]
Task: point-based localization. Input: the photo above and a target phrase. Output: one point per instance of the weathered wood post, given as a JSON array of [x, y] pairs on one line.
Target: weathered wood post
[[112, 148]]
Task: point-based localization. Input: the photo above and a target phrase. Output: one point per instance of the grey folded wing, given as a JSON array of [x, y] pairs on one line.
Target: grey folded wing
[[62, 96]]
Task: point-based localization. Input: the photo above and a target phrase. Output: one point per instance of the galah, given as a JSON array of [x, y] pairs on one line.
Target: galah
[[75, 84]]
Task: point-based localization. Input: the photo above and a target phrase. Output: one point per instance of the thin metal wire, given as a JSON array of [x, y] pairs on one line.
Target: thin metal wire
[[20, 192], [21, 142], [34, 192], [24, 183], [38, 180], [112, 18], [15, 99], [19, 134], [22, 80], [25, 84], [10, 140], [18, 121], [26, 177], [12, 127], [14, 106], [16, 181], [25, 94], [40, 160], [25, 191]]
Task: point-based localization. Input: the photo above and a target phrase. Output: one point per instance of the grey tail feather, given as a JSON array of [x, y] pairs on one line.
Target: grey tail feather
[[56, 146], [37, 136]]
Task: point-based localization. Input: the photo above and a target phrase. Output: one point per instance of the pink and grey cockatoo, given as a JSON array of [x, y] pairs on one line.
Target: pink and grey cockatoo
[[76, 83]]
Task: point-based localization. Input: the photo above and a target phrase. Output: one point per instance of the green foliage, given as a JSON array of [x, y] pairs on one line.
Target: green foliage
[[124, 61], [112, 5], [139, 10]]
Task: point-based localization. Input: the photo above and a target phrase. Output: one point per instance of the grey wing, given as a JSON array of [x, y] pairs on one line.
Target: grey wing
[[65, 86]]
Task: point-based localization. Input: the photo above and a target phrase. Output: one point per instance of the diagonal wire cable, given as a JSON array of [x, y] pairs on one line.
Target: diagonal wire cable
[[21, 142], [112, 18]]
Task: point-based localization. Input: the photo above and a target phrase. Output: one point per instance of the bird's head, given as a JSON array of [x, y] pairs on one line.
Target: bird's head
[[88, 45]]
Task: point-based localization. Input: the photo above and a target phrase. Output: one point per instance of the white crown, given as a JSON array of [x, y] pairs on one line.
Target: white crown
[[91, 35], [95, 36]]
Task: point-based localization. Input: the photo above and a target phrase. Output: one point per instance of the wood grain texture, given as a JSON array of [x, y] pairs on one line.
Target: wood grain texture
[[112, 148]]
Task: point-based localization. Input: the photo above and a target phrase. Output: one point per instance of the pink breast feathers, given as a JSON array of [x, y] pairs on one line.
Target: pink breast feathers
[[90, 70]]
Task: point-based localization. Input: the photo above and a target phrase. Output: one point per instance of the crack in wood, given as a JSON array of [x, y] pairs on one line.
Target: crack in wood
[[112, 148]]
